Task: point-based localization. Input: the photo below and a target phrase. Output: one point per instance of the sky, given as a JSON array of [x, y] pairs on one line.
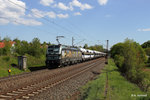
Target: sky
[[88, 21]]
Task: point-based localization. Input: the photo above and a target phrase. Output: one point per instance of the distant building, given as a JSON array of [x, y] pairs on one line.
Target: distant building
[[2, 45]]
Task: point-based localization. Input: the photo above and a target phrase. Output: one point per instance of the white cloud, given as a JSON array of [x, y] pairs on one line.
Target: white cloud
[[144, 30], [63, 15], [28, 22], [46, 2], [102, 2], [3, 21], [77, 13], [51, 14], [62, 6], [38, 14], [8, 9], [9, 13], [76, 3]]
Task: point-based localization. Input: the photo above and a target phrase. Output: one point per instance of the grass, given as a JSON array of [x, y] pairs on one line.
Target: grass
[[7, 61], [5, 64], [118, 87]]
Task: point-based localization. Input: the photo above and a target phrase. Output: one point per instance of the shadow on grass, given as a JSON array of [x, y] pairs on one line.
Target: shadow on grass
[[14, 65]]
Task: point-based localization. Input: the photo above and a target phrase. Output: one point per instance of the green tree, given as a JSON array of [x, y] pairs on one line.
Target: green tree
[[117, 49], [6, 38], [85, 46], [35, 49], [44, 48], [146, 44], [129, 57], [25, 46], [147, 51], [17, 46], [6, 49], [96, 47]]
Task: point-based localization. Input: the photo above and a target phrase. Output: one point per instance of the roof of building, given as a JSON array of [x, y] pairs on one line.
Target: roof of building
[[2, 44]]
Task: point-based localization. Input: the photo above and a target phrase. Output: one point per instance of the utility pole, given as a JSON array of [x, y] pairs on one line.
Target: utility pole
[[106, 61], [107, 46], [72, 41]]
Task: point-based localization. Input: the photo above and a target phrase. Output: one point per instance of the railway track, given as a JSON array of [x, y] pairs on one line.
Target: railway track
[[52, 79]]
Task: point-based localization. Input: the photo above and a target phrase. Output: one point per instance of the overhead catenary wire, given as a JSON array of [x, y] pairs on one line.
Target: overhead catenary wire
[[15, 21], [64, 28], [53, 22]]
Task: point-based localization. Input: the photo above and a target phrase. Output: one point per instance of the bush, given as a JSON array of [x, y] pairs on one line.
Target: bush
[[147, 50], [119, 60], [129, 57]]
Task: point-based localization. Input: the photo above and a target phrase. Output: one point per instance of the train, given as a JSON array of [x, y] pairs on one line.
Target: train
[[62, 55]]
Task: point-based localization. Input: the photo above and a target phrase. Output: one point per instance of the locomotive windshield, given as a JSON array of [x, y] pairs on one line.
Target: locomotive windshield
[[53, 49]]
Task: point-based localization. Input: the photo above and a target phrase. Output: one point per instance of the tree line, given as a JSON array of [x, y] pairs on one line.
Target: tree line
[[95, 47], [34, 48]]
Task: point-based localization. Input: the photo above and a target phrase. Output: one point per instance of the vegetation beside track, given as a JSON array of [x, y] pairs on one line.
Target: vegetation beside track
[[119, 88], [11, 62]]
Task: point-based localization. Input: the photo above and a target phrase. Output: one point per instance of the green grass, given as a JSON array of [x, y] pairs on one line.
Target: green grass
[[5, 64], [118, 87], [6, 61]]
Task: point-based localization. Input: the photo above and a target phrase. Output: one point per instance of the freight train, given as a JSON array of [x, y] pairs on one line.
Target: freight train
[[62, 55]]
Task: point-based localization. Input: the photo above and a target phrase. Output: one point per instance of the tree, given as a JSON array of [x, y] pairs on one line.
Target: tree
[[7, 38], [147, 51], [117, 49], [85, 46], [44, 48], [35, 49], [146, 44], [129, 57], [6, 49], [96, 47]]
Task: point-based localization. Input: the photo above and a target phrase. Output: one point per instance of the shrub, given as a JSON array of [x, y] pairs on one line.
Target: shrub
[[129, 57], [119, 60]]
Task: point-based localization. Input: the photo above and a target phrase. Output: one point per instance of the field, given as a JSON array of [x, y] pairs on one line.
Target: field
[[10, 62], [118, 87]]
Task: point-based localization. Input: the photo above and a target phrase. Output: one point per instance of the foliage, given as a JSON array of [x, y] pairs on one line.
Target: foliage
[[34, 61], [118, 87], [129, 57], [117, 49], [85, 46], [6, 49], [35, 48], [119, 60], [147, 51], [96, 47], [146, 44]]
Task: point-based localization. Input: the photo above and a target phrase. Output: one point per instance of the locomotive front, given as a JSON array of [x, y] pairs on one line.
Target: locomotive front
[[53, 56]]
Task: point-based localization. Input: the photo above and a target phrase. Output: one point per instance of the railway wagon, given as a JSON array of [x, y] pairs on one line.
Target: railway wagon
[[59, 55]]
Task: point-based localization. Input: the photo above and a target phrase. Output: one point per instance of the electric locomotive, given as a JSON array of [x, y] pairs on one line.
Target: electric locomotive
[[60, 55]]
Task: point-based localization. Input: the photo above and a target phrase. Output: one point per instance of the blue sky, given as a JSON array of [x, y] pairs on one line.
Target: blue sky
[[90, 21]]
